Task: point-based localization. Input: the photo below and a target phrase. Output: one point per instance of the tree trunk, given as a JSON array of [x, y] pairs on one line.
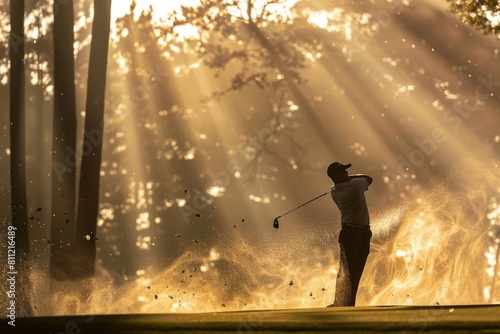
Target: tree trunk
[[20, 243], [64, 156], [88, 200]]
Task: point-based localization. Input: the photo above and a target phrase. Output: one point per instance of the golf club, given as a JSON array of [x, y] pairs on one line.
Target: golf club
[[276, 223]]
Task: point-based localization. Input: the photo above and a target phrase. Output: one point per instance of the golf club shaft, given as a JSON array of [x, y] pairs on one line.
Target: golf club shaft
[[315, 198]]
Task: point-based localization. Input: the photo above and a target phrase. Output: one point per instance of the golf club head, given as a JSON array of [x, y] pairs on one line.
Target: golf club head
[[276, 223]]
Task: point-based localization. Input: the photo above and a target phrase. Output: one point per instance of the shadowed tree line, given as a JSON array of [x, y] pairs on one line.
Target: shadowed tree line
[[71, 257]]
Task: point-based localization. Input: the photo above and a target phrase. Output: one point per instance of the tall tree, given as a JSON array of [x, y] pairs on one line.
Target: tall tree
[[18, 153], [64, 157], [88, 200]]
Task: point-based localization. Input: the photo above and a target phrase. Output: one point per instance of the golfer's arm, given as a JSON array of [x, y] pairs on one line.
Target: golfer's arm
[[368, 178]]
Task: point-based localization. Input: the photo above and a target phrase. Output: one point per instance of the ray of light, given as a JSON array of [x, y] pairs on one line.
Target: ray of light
[[161, 8], [359, 104]]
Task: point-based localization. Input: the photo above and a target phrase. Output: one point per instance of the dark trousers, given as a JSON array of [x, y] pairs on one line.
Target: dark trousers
[[354, 249]]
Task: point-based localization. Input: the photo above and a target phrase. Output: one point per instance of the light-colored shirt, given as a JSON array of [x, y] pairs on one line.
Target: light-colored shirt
[[350, 199]]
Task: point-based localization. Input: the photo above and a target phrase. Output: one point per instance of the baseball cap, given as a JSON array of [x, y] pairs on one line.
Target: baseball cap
[[335, 168]]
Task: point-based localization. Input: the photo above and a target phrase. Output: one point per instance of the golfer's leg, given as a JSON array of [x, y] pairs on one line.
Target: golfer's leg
[[360, 255], [342, 286], [355, 264]]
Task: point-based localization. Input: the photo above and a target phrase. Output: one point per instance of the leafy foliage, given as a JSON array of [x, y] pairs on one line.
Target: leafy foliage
[[483, 15], [266, 41]]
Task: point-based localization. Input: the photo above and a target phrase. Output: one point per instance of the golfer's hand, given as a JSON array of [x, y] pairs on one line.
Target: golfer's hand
[[356, 176]]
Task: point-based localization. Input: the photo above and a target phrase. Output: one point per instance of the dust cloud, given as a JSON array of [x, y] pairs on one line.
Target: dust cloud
[[439, 248]]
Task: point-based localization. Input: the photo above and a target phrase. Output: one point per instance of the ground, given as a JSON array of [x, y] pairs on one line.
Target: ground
[[386, 319]]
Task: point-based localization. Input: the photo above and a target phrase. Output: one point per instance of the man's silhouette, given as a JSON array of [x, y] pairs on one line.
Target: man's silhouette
[[354, 238]]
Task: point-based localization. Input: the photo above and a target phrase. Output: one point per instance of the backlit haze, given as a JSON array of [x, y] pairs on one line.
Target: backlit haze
[[194, 173]]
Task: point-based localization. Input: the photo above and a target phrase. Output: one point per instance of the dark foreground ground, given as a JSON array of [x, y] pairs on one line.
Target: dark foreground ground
[[384, 319]]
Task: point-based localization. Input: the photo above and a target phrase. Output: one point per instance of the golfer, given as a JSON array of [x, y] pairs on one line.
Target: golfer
[[348, 192]]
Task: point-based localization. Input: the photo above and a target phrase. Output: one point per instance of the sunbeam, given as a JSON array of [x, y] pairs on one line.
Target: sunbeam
[[219, 115]]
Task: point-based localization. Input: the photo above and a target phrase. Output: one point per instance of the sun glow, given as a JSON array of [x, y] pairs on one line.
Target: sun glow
[[433, 246], [161, 9]]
